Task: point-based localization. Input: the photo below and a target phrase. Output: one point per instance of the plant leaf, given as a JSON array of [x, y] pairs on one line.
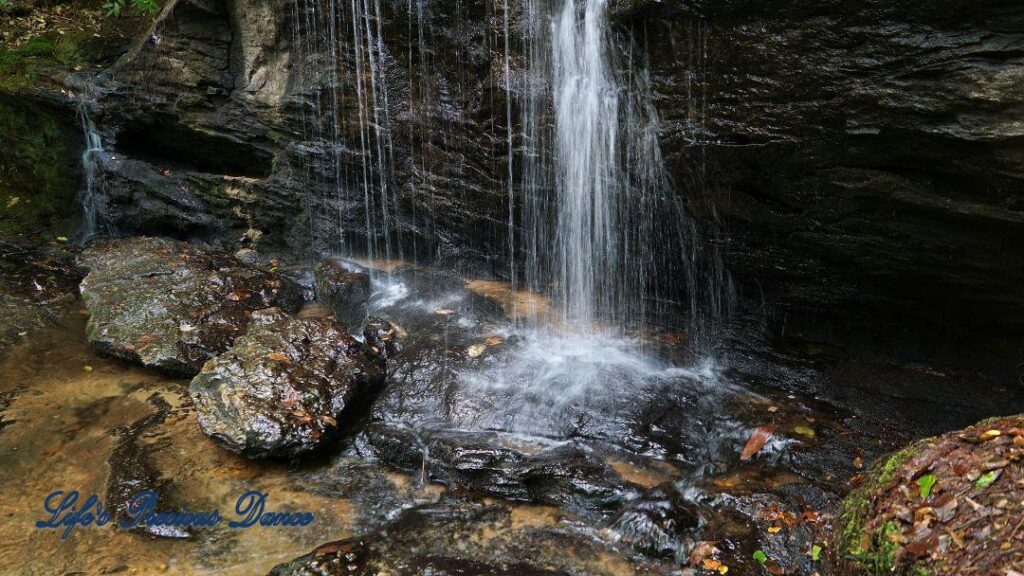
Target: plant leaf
[[756, 442], [987, 479], [926, 482]]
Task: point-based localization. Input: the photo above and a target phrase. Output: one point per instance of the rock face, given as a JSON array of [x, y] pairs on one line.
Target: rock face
[[948, 504], [849, 160], [171, 305], [345, 292], [286, 387]]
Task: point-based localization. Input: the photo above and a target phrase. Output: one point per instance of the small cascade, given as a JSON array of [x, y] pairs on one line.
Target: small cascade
[[89, 196]]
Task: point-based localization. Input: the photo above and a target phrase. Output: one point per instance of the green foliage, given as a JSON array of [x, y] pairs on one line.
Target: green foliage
[[926, 483], [986, 479], [22, 66], [816, 552], [760, 556], [5, 5], [114, 8]]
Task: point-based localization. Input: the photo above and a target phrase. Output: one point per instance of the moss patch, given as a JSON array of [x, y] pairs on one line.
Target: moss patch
[[39, 173], [24, 65]]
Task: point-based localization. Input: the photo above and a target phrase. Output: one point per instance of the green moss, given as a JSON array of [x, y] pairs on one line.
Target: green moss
[[888, 471], [24, 65], [873, 552], [38, 169]]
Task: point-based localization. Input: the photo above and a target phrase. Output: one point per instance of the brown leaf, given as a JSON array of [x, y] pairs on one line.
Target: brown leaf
[[702, 550], [240, 294], [279, 358], [711, 564], [945, 510], [757, 440], [493, 340]]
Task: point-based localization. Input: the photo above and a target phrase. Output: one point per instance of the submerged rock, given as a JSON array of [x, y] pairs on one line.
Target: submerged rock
[[382, 337], [286, 387], [944, 505], [559, 474], [345, 292], [456, 537], [171, 305]]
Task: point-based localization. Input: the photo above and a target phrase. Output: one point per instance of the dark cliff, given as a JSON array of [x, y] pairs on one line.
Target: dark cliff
[[855, 160]]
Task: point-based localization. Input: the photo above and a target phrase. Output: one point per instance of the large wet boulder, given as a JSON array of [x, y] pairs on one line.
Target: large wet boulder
[[285, 388], [171, 305], [945, 505], [343, 290]]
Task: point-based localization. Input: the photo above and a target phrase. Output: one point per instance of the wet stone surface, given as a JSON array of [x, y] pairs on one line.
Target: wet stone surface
[[497, 447], [171, 305], [343, 290], [287, 387]]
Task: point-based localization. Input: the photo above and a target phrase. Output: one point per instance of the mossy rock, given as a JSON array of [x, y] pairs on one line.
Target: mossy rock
[[39, 169], [944, 505]]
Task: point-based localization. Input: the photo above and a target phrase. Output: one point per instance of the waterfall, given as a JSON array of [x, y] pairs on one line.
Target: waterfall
[[89, 196], [605, 231], [587, 173]]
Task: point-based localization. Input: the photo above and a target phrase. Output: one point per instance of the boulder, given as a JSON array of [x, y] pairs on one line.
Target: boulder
[[344, 291], [286, 387], [170, 305], [945, 505]]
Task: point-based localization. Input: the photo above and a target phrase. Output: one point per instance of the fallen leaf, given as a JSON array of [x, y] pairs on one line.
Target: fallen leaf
[[330, 421], [858, 462], [279, 358], [86, 368], [986, 480], [816, 552], [444, 312], [702, 550], [756, 442], [711, 564], [989, 435], [926, 483], [804, 431], [774, 529], [476, 350], [760, 556], [493, 340]]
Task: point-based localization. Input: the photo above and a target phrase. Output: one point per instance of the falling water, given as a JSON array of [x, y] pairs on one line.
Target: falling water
[[339, 45], [605, 231], [92, 173], [587, 173]]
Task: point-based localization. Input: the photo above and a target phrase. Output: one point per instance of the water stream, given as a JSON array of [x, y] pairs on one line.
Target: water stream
[[92, 172]]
